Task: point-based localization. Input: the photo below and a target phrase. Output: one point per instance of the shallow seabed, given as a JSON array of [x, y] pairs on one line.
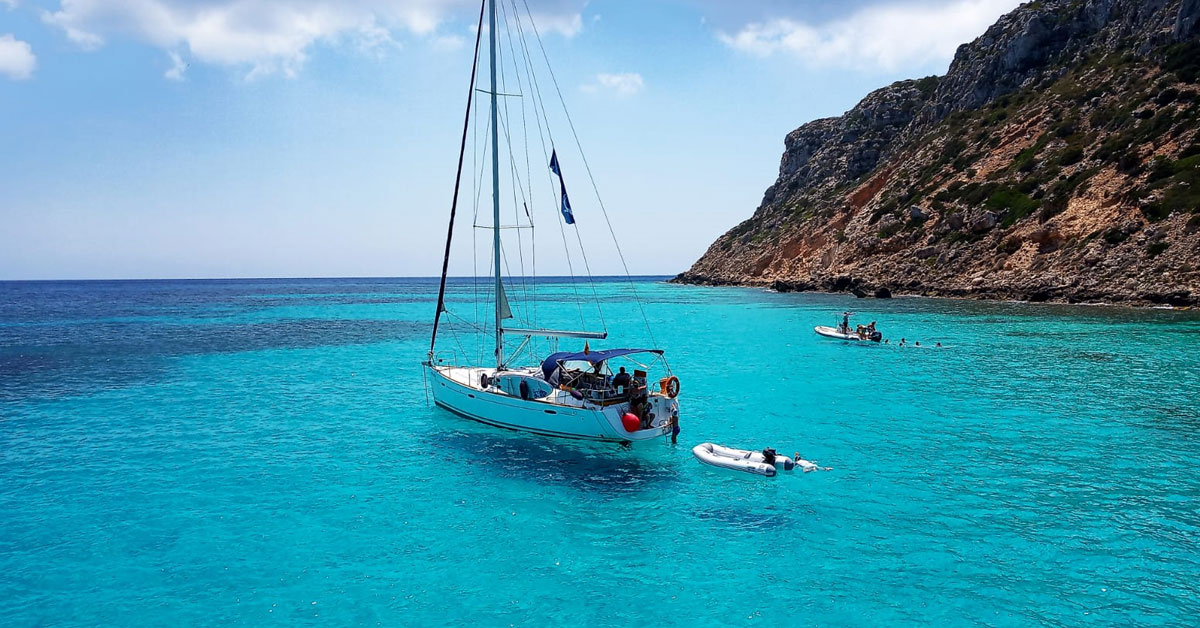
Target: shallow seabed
[[261, 453]]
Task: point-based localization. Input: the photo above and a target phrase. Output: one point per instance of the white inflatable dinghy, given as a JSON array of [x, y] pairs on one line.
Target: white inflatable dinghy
[[832, 332], [740, 459]]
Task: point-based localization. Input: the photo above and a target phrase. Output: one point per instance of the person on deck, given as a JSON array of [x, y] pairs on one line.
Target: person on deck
[[622, 380]]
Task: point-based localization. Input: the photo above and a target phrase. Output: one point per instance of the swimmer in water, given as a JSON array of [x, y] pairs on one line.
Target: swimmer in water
[[938, 344], [807, 466], [901, 342]]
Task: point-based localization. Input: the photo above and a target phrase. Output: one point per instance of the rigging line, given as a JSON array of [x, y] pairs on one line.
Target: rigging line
[[489, 296], [477, 182], [455, 335], [528, 180], [592, 283], [588, 168], [461, 348], [516, 176], [578, 237], [527, 65], [474, 219], [474, 234], [478, 196], [512, 168], [539, 101], [462, 151], [518, 226], [465, 322], [516, 212]]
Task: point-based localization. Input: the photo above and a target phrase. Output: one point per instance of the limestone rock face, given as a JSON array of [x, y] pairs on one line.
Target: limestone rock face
[[1057, 160]]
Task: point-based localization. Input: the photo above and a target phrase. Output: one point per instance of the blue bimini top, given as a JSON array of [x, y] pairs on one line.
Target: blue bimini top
[[592, 357]]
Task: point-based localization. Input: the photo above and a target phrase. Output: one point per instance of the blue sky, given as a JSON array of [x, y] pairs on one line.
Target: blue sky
[[251, 138]]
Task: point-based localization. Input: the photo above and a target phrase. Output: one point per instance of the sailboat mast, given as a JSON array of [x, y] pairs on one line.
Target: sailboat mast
[[496, 188]]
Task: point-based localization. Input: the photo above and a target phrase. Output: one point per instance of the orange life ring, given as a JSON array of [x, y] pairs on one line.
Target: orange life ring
[[670, 386]]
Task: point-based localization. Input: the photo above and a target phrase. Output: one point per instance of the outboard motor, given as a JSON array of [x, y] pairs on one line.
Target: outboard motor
[[769, 456], [876, 336]]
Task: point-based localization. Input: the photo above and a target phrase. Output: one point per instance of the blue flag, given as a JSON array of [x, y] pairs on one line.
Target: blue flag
[[566, 202]]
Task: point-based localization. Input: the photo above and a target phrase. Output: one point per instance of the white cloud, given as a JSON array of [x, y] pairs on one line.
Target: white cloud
[[448, 42], [623, 84], [17, 60], [567, 25], [178, 67], [275, 36], [884, 37]]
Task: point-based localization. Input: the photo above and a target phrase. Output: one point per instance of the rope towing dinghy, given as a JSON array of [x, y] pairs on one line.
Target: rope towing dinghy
[[765, 462]]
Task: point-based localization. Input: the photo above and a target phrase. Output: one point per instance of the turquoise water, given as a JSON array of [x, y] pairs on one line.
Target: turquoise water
[[261, 453]]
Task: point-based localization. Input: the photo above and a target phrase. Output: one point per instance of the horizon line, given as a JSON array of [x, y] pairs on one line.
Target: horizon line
[[365, 277]]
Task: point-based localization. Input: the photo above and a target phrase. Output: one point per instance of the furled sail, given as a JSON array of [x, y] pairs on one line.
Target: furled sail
[[505, 311]]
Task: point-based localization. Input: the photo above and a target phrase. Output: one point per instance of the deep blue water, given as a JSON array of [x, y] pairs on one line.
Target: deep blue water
[[261, 452]]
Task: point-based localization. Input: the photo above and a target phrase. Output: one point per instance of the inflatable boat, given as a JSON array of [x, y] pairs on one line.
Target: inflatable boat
[[831, 332], [742, 460]]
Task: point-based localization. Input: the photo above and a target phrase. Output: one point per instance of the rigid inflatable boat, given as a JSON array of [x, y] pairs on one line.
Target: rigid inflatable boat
[[832, 332], [741, 459]]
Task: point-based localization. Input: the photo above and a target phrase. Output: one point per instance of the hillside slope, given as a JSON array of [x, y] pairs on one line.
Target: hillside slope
[[1057, 160]]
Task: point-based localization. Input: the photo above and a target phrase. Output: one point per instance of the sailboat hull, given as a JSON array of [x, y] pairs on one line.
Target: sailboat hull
[[458, 390]]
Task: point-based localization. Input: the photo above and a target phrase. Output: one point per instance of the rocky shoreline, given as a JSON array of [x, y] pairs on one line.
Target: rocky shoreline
[[1062, 295], [1058, 160]]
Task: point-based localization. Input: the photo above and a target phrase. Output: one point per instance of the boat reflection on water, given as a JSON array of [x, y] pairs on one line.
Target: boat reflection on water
[[590, 467]]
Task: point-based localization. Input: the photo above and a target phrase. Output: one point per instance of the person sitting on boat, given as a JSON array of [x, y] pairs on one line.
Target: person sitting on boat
[[622, 380], [861, 330], [640, 407]]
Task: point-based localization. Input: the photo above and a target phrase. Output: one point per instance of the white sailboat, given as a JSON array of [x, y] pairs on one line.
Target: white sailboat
[[563, 393]]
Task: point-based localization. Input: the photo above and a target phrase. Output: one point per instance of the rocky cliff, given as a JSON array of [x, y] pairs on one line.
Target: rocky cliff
[[1057, 160]]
